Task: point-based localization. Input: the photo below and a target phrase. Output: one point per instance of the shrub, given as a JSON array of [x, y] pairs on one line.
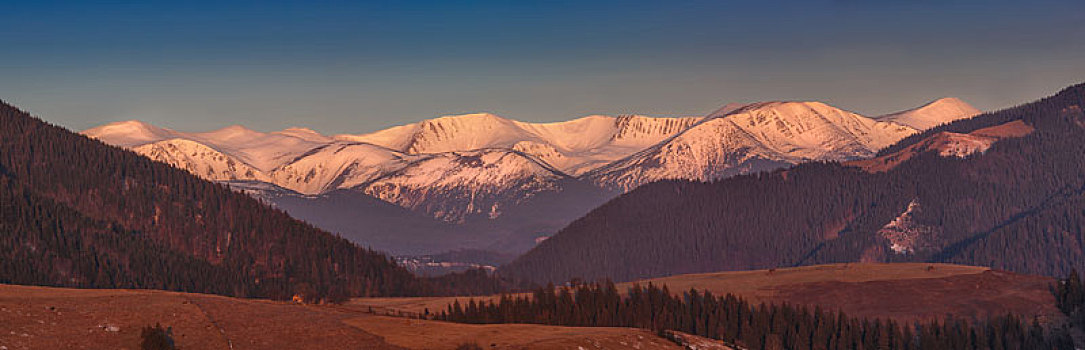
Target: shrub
[[157, 338]]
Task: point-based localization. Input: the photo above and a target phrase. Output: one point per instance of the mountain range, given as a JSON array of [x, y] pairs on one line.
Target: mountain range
[[1004, 189], [78, 213], [480, 181]]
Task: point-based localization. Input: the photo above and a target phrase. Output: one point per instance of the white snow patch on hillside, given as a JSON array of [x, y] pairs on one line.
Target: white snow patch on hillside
[[904, 234]]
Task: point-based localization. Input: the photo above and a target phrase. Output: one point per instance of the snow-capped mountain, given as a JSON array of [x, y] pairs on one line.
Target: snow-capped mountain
[[450, 167], [572, 147], [261, 151], [200, 159], [467, 183], [339, 164], [755, 137], [940, 111], [473, 168]]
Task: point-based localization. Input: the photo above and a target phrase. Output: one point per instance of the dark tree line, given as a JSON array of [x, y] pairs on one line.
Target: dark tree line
[[1070, 298], [735, 321], [76, 212], [1019, 206]]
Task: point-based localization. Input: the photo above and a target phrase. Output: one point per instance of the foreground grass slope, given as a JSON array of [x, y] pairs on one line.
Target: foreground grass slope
[[61, 318]]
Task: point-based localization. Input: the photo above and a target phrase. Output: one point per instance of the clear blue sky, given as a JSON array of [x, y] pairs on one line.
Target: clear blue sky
[[355, 67]]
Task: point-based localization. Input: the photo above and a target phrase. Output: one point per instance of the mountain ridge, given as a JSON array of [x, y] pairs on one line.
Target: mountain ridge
[[993, 205], [476, 167]]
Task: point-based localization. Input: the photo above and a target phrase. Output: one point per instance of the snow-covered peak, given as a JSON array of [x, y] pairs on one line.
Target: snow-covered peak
[[814, 130], [573, 135], [446, 134], [129, 133], [941, 111], [304, 134], [199, 159], [453, 185], [572, 146], [263, 151], [338, 165], [755, 137], [465, 132]]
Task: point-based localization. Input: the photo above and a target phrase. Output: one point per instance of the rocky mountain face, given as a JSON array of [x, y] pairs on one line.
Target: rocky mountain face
[[471, 171]]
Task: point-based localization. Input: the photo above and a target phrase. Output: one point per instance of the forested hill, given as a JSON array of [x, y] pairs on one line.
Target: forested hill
[[76, 212], [1019, 206]]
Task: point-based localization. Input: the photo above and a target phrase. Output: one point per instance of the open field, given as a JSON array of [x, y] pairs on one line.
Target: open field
[[58, 318], [910, 291], [61, 318], [422, 334], [900, 291]]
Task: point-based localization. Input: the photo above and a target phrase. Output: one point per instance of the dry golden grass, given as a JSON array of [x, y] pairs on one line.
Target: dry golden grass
[[906, 291], [765, 285], [422, 334], [61, 318], [412, 305]]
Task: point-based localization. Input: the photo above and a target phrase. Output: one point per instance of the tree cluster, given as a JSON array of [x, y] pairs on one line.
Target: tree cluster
[[735, 321], [1070, 298], [156, 338]]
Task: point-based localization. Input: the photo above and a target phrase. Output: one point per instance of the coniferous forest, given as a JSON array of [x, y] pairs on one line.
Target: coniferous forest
[[1070, 298], [76, 212], [735, 321], [1018, 206]]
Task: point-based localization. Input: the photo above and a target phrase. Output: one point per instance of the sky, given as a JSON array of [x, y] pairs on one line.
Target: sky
[[354, 67]]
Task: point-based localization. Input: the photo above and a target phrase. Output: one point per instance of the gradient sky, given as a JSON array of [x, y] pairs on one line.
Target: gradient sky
[[350, 67]]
